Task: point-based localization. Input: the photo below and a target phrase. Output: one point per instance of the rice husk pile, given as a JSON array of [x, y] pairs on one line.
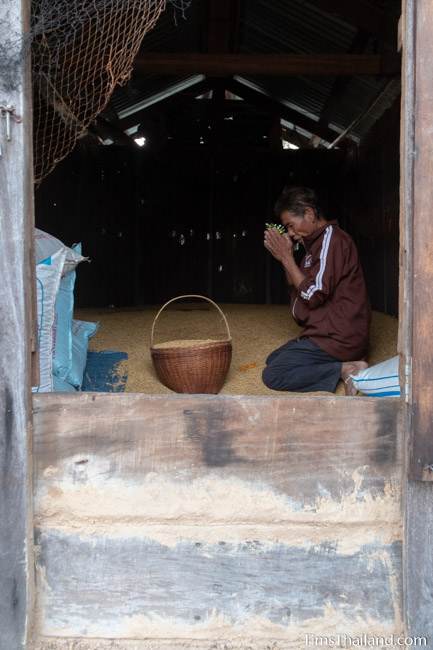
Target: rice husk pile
[[256, 331]]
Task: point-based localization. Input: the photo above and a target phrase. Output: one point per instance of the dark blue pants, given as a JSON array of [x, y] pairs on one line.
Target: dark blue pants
[[301, 366]]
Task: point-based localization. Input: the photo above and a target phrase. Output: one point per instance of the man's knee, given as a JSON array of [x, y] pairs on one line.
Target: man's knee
[[272, 379]]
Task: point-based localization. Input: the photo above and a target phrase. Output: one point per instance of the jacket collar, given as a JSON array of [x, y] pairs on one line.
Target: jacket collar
[[317, 233]]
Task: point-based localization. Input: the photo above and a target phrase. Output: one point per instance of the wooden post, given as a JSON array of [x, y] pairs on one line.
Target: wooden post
[[416, 312], [16, 289], [421, 152]]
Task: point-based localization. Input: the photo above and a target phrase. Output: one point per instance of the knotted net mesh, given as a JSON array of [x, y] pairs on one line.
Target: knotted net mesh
[[81, 49]]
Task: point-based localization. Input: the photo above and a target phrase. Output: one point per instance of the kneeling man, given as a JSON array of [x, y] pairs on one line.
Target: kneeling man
[[328, 299]]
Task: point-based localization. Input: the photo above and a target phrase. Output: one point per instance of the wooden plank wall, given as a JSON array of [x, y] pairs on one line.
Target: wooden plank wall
[[118, 199], [144, 219], [215, 522], [16, 223], [371, 197]]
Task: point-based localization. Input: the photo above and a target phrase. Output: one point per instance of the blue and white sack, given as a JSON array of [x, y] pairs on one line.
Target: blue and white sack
[[381, 380], [48, 274], [62, 386], [62, 361], [82, 331], [46, 246]]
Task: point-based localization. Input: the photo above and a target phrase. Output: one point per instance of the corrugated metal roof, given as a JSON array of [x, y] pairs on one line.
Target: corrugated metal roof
[[300, 27], [175, 33], [295, 26], [273, 26]]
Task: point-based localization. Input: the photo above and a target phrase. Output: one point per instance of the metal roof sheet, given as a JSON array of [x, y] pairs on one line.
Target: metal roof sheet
[[272, 26]]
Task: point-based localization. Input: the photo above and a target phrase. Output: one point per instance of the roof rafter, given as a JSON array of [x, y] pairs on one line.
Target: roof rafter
[[132, 117], [258, 97], [282, 65]]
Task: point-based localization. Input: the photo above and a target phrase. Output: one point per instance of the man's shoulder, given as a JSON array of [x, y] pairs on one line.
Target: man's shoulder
[[340, 236]]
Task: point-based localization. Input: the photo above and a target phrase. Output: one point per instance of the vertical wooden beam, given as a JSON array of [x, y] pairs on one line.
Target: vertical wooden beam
[[416, 312], [16, 227], [421, 458], [216, 114], [406, 200]]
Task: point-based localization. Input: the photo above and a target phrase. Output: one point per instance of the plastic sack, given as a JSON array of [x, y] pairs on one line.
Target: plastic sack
[[381, 380], [62, 361], [82, 331], [48, 273], [62, 386], [46, 245]]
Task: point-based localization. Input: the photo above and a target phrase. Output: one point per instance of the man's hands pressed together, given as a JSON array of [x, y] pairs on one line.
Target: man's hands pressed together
[[281, 248]]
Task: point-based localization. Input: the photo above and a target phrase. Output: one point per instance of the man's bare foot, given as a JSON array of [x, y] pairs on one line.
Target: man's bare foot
[[351, 368]]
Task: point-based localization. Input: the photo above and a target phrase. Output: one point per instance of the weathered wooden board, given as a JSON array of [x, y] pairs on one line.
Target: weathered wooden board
[[16, 223], [416, 312], [154, 590], [421, 459], [205, 518], [294, 443], [419, 560]]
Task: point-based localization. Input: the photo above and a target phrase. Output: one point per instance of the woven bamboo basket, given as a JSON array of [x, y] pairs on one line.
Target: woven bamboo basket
[[199, 366]]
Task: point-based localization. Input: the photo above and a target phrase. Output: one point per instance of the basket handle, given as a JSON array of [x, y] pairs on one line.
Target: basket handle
[[192, 295]]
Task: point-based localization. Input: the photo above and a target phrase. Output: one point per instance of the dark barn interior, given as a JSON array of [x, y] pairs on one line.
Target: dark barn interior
[[223, 127]]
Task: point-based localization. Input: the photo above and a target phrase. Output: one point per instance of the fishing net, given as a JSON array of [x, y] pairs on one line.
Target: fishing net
[[81, 49]]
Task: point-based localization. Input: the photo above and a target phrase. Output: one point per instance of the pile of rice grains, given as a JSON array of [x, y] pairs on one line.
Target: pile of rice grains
[[256, 330]]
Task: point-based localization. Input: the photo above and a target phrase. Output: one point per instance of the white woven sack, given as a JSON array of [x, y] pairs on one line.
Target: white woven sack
[[48, 274], [381, 380], [46, 245]]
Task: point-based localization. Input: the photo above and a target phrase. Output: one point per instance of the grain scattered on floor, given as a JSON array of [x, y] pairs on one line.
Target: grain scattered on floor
[[256, 330]]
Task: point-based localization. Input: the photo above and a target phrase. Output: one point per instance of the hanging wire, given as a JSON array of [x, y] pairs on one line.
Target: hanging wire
[[182, 6]]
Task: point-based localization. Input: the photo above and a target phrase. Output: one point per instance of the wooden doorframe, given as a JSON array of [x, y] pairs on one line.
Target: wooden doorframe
[[417, 235], [416, 313], [16, 300]]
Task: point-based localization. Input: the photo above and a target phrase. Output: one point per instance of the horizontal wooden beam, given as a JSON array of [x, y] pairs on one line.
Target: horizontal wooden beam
[[283, 65], [189, 436]]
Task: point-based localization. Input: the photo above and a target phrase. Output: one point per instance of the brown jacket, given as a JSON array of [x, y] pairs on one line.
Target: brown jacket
[[331, 304]]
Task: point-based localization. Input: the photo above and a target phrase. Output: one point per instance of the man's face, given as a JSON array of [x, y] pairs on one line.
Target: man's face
[[299, 227]]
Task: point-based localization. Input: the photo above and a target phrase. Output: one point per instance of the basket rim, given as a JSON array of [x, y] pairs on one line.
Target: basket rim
[[189, 295], [203, 346]]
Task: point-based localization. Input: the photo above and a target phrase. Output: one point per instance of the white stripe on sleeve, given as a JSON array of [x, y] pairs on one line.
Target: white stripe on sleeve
[[318, 286]]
